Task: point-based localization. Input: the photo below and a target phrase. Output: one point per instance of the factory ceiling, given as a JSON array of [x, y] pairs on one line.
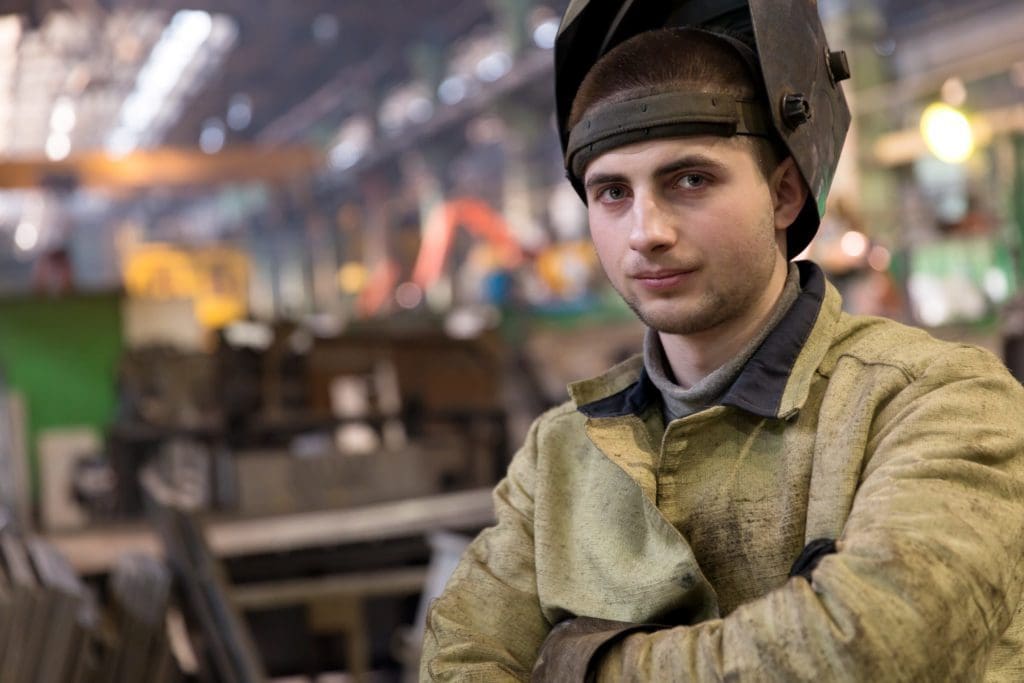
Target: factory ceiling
[[163, 112], [119, 76]]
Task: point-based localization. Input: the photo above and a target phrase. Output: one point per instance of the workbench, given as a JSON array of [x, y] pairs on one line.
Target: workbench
[[94, 551]]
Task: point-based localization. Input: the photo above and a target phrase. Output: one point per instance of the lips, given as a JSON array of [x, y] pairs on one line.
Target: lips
[[660, 274], [662, 279]]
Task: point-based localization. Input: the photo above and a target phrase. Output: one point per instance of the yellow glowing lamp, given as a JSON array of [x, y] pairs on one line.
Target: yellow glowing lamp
[[947, 133], [352, 277]]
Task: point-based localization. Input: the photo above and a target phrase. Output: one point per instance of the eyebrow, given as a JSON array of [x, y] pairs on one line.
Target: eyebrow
[[688, 161]]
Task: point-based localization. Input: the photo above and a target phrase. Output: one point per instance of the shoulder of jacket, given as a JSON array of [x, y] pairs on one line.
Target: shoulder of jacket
[[559, 422], [911, 350], [560, 414], [560, 425]]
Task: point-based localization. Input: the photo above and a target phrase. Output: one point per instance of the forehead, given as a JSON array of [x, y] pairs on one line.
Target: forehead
[[644, 157]]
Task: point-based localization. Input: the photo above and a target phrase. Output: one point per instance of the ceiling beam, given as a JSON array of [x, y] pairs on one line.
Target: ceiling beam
[[165, 167]]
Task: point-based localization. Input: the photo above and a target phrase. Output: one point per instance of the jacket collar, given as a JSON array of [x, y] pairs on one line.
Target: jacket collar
[[775, 381]]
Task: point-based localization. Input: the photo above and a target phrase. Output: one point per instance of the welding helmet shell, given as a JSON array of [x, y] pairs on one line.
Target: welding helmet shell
[[805, 109]]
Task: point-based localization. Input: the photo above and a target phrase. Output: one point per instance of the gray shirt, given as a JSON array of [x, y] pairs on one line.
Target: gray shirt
[[679, 402]]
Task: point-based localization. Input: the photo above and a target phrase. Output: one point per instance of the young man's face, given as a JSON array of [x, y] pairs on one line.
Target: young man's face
[[686, 231]]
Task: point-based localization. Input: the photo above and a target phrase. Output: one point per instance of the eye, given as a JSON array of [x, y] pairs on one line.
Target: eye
[[691, 181], [612, 193]]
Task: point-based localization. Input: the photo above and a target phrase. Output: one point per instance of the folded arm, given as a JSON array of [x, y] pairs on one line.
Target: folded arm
[[488, 625], [928, 571]]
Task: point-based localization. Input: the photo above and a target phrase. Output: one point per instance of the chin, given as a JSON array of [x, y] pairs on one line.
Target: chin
[[682, 327], [679, 321]]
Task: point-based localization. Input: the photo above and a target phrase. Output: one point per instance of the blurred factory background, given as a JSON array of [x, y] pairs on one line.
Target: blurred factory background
[[282, 285]]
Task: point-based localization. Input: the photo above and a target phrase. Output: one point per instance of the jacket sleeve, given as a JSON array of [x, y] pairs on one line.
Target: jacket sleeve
[[487, 625], [928, 573]]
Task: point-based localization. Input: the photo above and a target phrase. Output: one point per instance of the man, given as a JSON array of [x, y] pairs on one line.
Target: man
[[774, 490]]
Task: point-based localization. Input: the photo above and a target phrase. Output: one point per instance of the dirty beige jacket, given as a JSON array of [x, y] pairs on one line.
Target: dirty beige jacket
[[906, 450]]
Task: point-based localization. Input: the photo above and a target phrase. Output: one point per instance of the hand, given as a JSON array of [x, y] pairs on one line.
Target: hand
[[573, 644]]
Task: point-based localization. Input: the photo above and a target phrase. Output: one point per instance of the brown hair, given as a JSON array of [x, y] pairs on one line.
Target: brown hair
[[670, 60]]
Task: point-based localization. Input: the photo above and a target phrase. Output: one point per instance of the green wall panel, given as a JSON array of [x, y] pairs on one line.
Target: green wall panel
[[62, 354]]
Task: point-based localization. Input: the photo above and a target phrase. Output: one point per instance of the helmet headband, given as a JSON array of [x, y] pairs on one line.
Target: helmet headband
[[664, 115]]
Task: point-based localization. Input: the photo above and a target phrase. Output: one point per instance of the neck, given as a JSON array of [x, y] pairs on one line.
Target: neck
[[693, 357]]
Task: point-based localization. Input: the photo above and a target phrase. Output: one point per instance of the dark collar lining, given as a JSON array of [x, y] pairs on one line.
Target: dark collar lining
[[633, 400], [760, 385]]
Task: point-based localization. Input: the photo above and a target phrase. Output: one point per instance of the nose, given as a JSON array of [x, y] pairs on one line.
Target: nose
[[653, 227]]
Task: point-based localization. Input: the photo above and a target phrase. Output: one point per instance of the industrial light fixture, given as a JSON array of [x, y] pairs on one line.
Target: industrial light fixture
[[453, 89], [947, 133], [63, 119], [26, 236], [494, 66], [411, 103], [62, 122], [213, 136], [542, 25], [239, 111], [545, 33], [854, 244], [419, 109], [169, 74], [58, 146], [353, 141]]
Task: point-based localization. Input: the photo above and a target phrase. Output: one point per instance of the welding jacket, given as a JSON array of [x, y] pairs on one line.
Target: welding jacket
[[667, 553]]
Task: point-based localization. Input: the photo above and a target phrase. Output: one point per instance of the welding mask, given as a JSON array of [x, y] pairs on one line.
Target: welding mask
[[802, 104]]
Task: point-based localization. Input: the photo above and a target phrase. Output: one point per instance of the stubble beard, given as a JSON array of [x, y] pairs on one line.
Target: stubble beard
[[710, 311]]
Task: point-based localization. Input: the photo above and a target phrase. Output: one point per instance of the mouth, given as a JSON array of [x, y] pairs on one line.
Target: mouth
[[662, 279]]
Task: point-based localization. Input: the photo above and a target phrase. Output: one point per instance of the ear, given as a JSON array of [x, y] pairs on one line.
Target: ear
[[789, 193]]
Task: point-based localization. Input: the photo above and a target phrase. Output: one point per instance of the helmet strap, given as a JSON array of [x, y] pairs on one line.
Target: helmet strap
[[659, 116]]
